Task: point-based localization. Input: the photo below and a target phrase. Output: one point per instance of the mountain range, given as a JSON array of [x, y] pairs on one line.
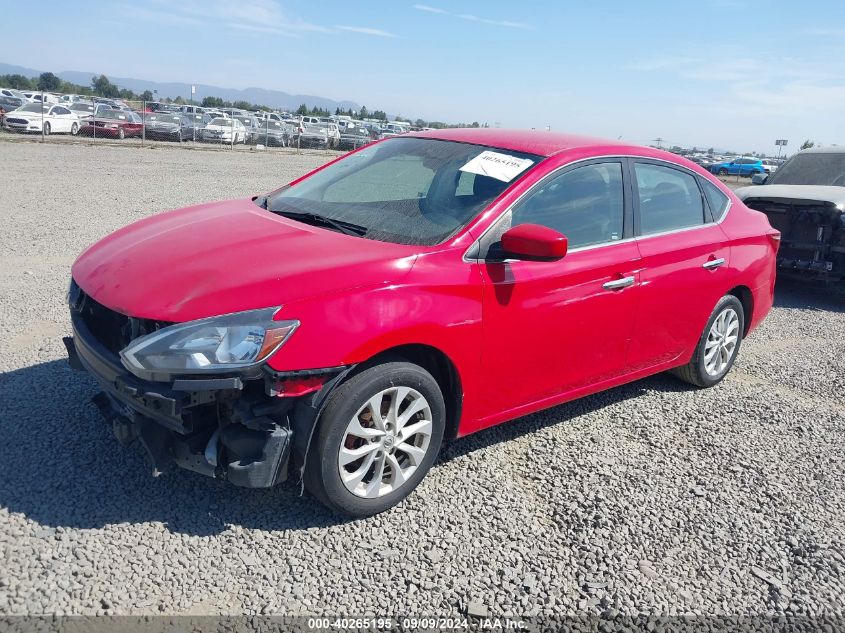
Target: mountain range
[[260, 96]]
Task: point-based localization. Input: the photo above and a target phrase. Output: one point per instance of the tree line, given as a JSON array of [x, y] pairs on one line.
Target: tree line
[[102, 86]]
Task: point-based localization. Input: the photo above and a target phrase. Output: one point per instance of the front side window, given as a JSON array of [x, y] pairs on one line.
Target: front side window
[[406, 190], [669, 199], [586, 204]]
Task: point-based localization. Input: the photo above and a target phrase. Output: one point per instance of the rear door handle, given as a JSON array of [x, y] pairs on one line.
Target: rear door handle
[[712, 264], [618, 284]]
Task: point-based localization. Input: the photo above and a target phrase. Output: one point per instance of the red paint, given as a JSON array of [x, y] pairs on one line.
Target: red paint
[[522, 335], [295, 387], [534, 241], [96, 126]]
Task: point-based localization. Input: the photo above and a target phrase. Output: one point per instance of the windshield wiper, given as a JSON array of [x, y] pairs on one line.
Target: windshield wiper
[[316, 219]]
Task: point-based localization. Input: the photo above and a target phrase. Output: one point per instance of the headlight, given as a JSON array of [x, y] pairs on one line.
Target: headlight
[[228, 342]]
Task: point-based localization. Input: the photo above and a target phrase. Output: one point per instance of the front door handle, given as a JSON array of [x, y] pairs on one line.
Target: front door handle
[[618, 284], [712, 264]]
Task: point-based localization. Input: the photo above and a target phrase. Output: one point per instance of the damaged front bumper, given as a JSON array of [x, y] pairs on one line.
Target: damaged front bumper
[[237, 428]]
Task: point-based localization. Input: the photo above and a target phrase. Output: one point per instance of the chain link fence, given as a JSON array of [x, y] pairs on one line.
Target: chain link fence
[[51, 119]]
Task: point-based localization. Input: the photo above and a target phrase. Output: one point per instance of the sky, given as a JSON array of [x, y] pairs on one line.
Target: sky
[[731, 74]]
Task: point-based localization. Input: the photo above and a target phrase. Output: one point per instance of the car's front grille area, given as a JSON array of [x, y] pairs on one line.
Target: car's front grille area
[[17, 121], [111, 329]]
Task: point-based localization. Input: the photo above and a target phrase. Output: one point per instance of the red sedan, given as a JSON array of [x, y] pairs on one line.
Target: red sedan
[[112, 124], [421, 288]]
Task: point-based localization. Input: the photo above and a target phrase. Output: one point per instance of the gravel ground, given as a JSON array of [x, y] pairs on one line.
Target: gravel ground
[[650, 498]]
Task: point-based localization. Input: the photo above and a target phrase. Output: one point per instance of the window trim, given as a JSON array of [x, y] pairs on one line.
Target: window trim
[[471, 254], [627, 210], [713, 219], [706, 215]]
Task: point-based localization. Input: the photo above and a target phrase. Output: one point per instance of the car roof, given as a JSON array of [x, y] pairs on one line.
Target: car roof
[[529, 141], [833, 149]]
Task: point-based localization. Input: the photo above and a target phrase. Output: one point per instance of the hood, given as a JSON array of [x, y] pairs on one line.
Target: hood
[[227, 257], [795, 194]]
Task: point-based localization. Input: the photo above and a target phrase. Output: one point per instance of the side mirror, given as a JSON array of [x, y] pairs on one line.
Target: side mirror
[[532, 241], [759, 179]]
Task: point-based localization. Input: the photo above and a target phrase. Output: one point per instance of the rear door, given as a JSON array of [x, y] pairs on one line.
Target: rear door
[[552, 327], [685, 258]]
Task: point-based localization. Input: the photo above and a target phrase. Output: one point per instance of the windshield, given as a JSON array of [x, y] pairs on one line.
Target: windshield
[[220, 121], [406, 190], [111, 114], [34, 107], [163, 118], [817, 168], [82, 107]]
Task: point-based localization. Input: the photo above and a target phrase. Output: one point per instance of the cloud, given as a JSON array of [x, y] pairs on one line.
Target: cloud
[[473, 18], [257, 16], [425, 7], [778, 86], [506, 23], [366, 30]]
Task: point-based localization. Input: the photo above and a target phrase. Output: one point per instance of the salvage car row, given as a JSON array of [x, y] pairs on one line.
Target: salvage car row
[[113, 118]]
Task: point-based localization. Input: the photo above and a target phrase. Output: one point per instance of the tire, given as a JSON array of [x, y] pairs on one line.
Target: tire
[[700, 370], [347, 408], [723, 172], [121, 134], [74, 129], [46, 129]]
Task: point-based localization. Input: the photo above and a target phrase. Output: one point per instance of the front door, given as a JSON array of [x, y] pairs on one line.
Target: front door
[[552, 327]]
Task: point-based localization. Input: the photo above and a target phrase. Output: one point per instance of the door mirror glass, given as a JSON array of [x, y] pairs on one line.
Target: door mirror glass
[[759, 179], [532, 241]]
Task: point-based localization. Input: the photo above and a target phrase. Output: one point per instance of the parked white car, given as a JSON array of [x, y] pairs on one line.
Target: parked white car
[[220, 130], [35, 96], [333, 134], [54, 118], [770, 165], [11, 92]]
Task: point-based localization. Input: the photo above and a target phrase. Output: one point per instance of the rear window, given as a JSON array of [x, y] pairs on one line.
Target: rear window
[[818, 168]]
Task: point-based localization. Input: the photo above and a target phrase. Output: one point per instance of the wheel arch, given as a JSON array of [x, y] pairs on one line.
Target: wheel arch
[[746, 298], [306, 412], [439, 365]]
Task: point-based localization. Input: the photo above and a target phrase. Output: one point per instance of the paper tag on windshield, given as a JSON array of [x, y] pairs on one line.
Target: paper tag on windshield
[[499, 166]]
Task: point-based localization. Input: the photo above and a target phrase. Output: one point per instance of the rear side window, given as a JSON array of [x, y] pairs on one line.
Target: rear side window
[[669, 199], [716, 199]]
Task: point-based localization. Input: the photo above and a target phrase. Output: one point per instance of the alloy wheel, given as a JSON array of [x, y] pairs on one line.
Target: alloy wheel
[[385, 442], [721, 342]]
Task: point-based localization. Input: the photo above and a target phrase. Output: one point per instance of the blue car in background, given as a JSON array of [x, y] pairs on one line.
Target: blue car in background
[[741, 165]]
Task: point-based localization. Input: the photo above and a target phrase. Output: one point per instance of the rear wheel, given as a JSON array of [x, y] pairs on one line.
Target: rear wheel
[[74, 129], [376, 439], [718, 346], [121, 134], [46, 129]]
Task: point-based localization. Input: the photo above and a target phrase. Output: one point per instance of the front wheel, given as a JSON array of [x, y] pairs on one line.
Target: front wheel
[[121, 134], [723, 172], [46, 129], [718, 346], [376, 439]]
